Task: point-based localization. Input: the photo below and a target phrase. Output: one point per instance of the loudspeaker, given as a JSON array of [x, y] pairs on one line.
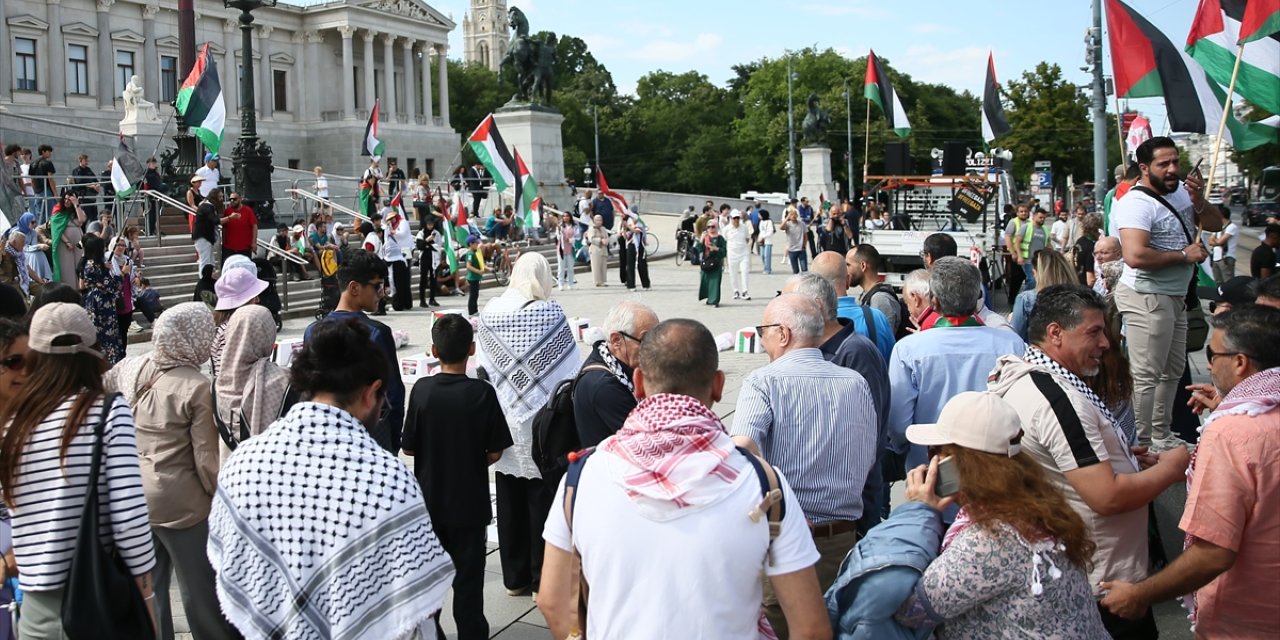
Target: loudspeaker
[[953, 159], [897, 159]]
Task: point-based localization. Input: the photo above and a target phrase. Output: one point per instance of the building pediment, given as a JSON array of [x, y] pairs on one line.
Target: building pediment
[[128, 35], [79, 29], [214, 47], [169, 42], [282, 58], [28, 22], [413, 9]]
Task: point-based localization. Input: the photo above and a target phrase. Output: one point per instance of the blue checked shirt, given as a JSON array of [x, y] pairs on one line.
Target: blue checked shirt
[[816, 422]]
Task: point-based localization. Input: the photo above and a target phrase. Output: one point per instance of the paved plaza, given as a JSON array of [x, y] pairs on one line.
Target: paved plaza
[[672, 295]]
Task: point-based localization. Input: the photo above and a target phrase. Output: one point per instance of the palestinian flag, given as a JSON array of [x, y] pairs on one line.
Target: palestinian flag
[[488, 146], [366, 194], [460, 211], [1261, 19], [526, 193], [1213, 42], [200, 102], [994, 122], [1147, 64], [879, 90], [619, 203], [447, 231], [372, 145], [126, 171]]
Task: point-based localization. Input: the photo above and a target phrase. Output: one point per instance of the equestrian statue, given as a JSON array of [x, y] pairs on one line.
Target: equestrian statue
[[814, 129], [532, 60]]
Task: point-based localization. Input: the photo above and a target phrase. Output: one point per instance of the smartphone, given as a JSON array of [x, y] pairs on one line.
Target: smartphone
[[948, 481], [1196, 169]]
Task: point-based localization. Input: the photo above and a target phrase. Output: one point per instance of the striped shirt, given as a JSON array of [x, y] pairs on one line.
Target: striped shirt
[[49, 493], [816, 422]]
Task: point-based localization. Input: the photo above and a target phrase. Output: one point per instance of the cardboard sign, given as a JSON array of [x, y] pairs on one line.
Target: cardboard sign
[[748, 342], [419, 366], [579, 327], [285, 350], [971, 199]]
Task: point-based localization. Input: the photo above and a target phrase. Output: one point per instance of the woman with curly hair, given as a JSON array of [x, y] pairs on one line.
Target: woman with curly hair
[[1014, 563]]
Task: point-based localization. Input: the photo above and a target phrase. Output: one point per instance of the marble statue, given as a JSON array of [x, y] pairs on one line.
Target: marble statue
[[136, 107]]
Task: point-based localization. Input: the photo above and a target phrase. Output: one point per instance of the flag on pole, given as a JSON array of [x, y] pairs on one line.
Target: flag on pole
[[526, 192], [1214, 41], [879, 90], [366, 194], [1261, 20], [459, 211], [126, 171], [372, 145], [447, 231], [489, 147], [619, 203], [994, 122], [1139, 132], [1147, 64], [200, 102]]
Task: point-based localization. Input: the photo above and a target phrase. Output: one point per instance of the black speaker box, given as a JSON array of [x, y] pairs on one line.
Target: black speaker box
[[953, 157], [897, 159]]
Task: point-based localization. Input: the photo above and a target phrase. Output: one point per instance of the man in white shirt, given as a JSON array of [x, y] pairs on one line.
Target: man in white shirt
[[1222, 247], [1058, 231], [1157, 220], [737, 236], [211, 174], [665, 503]]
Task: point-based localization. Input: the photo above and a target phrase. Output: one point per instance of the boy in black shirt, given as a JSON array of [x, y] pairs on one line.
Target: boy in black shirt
[[455, 429]]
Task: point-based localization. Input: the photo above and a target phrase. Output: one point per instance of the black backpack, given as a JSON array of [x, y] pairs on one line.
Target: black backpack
[[555, 432], [904, 317]]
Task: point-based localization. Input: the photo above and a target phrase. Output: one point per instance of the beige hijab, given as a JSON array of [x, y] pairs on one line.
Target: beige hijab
[[250, 383], [531, 277]]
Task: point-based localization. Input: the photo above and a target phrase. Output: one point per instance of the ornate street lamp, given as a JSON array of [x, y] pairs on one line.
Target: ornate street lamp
[[251, 156]]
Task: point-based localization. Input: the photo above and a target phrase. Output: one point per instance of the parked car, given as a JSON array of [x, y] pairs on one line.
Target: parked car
[[1258, 213]]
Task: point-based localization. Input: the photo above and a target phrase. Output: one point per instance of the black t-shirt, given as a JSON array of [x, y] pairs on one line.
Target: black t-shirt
[[452, 424], [601, 403], [206, 226], [1264, 257], [1084, 257], [41, 167]]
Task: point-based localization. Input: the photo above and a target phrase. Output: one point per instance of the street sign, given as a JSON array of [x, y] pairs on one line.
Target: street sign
[[1043, 164], [1046, 179]]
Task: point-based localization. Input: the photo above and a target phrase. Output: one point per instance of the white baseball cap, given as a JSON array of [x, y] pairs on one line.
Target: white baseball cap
[[978, 420], [62, 319]]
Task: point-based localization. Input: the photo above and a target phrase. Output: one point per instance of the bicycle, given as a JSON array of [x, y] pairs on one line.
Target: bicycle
[[503, 260], [650, 244], [684, 240]]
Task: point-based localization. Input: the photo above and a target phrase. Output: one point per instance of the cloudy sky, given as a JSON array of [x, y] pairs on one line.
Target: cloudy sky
[[938, 41]]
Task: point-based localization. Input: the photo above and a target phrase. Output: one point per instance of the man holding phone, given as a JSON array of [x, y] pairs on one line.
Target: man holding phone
[[1158, 222]]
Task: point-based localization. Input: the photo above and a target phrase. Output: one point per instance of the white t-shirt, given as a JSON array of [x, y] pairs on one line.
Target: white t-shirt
[[211, 179], [704, 562], [736, 239], [322, 186], [1137, 210], [1229, 250], [1059, 234]]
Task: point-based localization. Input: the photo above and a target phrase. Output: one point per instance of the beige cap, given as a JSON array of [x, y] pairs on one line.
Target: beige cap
[[59, 319], [197, 178], [978, 420]]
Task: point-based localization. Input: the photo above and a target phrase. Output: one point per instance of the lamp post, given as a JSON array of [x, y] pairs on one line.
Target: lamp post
[[848, 134], [791, 135], [251, 156], [595, 121], [586, 176]]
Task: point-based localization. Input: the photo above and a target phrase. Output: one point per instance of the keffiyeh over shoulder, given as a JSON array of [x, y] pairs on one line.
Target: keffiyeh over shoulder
[[318, 533]]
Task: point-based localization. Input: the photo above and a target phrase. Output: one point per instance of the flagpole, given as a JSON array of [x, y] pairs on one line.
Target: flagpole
[[866, 144], [1222, 124], [1124, 157]]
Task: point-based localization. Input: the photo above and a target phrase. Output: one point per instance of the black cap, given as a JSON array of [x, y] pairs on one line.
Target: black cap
[[1237, 291]]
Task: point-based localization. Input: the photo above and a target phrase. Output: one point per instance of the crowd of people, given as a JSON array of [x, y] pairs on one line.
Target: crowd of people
[[1031, 447]]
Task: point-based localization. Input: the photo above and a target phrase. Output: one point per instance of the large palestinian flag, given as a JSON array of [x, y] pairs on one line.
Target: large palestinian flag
[[526, 193], [126, 171], [200, 102], [1213, 42], [1147, 64], [488, 146], [994, 122], [879, 90], [371, 145]]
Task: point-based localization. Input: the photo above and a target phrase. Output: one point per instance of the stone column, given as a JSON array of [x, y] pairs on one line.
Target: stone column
[[55, 90], [444, 84], [312, 70], [106, 58], [6, 70], [389, 78], [151, 60], [348, 74], [230, 76], [428, 109], [410, 84], [266, 101], [369, 96]]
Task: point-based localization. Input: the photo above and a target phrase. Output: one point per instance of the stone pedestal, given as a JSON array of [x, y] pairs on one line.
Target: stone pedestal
[[144, 135], [535, 132], [815, 175]]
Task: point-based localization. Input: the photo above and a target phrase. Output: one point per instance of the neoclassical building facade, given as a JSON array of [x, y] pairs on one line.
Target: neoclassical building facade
[[319, 67], [484, 33]]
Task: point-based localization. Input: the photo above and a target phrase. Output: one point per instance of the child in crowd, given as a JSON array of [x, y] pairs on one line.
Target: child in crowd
[[455, 430], [475, 271]]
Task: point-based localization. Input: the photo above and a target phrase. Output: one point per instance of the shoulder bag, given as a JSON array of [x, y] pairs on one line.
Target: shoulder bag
[[1197, 324], [101, 600]]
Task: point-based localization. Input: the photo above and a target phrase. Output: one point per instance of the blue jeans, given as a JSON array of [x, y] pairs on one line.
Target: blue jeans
[[766, 256], [1030, 283], [44, 202], [799, 261]]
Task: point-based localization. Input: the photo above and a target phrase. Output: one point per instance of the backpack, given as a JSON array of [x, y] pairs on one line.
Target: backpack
[[771, 505], [904, 317], [555, 432]]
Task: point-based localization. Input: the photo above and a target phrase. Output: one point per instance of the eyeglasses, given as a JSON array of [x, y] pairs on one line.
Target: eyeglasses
[[378, 286], [761, 327], [631, 337], [13, 362], [1211, 354]]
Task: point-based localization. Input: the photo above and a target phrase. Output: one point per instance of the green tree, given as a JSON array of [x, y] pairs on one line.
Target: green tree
[[1049, 118], [1253, 161]]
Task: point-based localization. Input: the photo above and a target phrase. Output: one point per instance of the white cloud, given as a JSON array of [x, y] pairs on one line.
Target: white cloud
[[668, 51]]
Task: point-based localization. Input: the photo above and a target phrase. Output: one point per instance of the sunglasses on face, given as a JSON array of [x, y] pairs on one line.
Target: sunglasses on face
[[13, 362]]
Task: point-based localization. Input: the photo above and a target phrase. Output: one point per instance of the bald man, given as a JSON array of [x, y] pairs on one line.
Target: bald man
[[866, 321], [1106, 249]]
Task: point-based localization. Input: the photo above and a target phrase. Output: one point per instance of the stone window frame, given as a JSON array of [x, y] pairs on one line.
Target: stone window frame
[[81, 35], [28, 27], [282, 62], [74, 87], [131, 42]]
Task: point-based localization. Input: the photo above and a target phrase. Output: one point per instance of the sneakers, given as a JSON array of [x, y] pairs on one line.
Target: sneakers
[[522, 591], [746, 296], [737, 296]]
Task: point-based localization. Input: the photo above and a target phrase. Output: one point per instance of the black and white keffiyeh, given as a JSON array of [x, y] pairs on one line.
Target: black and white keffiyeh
[[606, 357], [1039, 358], [316, 532], [527, 351]]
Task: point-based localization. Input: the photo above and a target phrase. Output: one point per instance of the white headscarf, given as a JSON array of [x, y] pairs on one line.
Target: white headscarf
[[531, 277], [181, 337]]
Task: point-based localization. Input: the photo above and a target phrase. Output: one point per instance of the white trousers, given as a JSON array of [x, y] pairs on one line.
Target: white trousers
[[738, 266]]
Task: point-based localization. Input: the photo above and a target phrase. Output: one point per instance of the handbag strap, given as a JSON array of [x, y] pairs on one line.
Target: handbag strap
[[99, 428], [1158, 198]]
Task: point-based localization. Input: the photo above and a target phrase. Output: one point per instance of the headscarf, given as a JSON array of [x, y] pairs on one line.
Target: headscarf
[[116, 262], [26, 225], [180, 337], [531, 276], [250, 382], [19, 261]]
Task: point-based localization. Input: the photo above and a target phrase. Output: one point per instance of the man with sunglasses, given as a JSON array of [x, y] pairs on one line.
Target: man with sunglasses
[[605, 394], [1232, 554], [362, 279], [239, 229]]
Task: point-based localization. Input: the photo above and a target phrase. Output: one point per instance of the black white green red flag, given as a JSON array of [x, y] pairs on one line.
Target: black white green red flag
[[619, 203], [879, 89], [526, 192], [1214, 40], [200, 102], [994, 122], [126, 171], [372, 145], [492, 152]]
